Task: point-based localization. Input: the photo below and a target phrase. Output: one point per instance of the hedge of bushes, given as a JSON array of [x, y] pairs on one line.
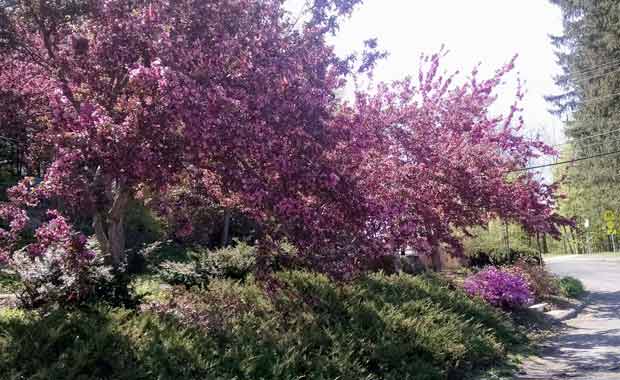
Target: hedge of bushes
[[298, 325], [500, 256]]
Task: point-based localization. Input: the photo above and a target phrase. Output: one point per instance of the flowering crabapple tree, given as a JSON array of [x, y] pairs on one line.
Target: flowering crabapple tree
[[134, 97], [432, 161], [139, 93]]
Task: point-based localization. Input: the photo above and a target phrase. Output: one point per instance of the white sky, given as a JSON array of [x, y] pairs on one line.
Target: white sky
[[489, 32]]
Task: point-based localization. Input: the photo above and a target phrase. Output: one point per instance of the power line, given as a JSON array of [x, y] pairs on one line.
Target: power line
[[595, 67], [587, 137], [564, 162], [592, 70], [597, 98], [587, 78], [598, 144]]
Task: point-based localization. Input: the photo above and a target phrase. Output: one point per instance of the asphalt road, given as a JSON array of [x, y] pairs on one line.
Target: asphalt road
[[589, 348]]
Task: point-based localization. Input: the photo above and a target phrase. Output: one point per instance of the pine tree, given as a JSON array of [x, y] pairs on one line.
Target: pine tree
[[589, 54]]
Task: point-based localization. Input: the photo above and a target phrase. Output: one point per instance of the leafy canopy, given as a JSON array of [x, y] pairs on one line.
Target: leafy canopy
[[133, 97]]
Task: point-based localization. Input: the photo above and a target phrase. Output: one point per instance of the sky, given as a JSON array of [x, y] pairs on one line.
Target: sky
[[489, 32]]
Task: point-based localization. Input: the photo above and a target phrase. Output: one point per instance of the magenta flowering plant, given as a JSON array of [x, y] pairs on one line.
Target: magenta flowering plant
[[59, 266], [127, 97], [499, 288]]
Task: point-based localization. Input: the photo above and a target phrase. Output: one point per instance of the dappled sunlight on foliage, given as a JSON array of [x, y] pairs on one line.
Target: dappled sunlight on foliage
[[378, 327], [230, 105]]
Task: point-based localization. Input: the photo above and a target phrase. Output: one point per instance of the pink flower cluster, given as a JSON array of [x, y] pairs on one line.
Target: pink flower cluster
[[499, 288], [144, 95], [17, 220], [58, 235]]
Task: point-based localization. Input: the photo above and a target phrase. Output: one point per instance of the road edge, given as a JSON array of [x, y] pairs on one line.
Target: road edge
[[564, 315]]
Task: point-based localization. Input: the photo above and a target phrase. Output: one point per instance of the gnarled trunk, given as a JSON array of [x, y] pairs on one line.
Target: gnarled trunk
[[109, 228]]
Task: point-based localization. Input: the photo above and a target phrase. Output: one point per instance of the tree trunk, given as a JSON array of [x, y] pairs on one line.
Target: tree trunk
[[564, 241], [110, 229], [116, 238], [569, 241], [226, 229], [436, 259], [506, 236], [574, 240]]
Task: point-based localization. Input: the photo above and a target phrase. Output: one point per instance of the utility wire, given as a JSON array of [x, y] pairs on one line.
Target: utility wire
[[583, 138], [564, 162], [597, 98], [594, 69], [578, 78], [587, 78], [571, 141], [605, 142]]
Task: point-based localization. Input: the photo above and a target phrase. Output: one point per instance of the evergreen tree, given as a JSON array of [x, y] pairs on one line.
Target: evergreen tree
[[589, 53]]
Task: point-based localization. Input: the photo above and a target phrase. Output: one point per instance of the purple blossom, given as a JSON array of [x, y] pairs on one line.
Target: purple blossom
[[499, 288]]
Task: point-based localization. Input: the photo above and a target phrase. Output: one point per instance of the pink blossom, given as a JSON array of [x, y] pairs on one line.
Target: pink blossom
[[499, 288], [164, 93]]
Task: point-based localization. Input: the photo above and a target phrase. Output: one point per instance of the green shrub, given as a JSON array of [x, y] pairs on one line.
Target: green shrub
[[198, 266], [162, 251], [503, 256], [49, 281], [376, 327], [176, 273], [149, 288], [236, 261], [99, 343], [142, 227], [301, 326], [542, 283], [8, 179], [527, 255], [392, 264], [9, 282], [571, 287]]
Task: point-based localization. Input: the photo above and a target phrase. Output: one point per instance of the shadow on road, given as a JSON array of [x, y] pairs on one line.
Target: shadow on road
[[605, 305], [589, 346]]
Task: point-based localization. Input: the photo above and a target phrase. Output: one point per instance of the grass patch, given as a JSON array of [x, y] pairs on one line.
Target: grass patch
[[304, 326]]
